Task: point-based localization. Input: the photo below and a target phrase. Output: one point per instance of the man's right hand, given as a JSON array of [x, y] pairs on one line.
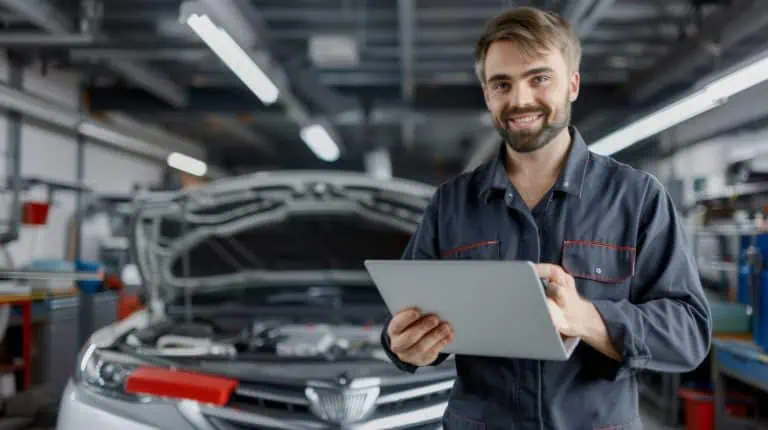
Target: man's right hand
[[418, 339]]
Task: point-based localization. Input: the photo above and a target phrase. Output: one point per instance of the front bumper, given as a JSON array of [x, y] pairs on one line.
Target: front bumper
[[82, 408]]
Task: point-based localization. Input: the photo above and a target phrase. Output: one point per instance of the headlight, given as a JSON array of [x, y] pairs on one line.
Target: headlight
[[127, 378], [105, 370]]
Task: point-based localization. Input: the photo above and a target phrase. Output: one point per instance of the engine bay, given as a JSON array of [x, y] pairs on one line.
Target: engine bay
[[259, 339]]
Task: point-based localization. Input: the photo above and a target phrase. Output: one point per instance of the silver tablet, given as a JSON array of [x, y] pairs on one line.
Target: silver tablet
[[496, 308]]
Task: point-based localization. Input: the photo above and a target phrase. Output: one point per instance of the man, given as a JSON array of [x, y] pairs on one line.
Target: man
[[604, 234]]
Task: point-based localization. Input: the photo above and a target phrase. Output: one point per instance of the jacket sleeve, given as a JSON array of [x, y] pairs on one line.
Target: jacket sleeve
[[423, 245], [666, 325]]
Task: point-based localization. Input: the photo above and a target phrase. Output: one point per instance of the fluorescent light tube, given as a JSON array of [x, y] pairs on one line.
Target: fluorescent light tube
[[185, 163], [320, 142], [712, 95], [654, 123], [230, 52]]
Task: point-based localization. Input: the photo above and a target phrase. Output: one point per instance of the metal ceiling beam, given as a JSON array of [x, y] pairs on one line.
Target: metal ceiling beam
[[44, 15], [246, 25], [33, 39], [40, 13], [589, 22], [406, 22], [720, 32], [576, 10]]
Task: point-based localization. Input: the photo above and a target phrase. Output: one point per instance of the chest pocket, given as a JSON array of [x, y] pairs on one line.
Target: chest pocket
[[482, 250], [601, 270]]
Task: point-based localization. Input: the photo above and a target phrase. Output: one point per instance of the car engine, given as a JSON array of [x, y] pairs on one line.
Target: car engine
[[261, 338]]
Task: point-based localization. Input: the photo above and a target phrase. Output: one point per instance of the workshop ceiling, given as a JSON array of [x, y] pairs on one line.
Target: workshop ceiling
[[392, 73]]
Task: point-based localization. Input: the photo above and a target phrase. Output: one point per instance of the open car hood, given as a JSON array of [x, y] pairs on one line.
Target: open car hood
[[274, 228]]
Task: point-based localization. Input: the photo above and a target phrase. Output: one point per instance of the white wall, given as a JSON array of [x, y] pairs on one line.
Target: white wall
[[110, 170], [51, 154]]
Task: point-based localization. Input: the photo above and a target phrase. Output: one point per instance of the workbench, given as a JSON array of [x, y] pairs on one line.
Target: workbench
[[24, 301], [744, 362]]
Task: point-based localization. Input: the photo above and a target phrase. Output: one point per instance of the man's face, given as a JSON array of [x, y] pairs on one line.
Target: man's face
[[529, 97]]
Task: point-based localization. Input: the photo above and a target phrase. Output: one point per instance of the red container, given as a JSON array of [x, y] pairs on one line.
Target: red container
[[34, 213], [700, 408]]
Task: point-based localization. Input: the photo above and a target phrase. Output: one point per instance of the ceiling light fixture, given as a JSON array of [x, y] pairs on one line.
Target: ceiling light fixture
[[187, 164], [320, 142], [230, 52], [709, 97]]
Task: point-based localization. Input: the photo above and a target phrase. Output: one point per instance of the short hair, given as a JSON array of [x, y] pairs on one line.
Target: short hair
[[534, 31]]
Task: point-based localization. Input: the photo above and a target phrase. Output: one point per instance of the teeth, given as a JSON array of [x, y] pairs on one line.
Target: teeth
[[526, 119]]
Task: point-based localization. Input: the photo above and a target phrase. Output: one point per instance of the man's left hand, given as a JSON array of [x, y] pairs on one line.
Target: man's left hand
[[570, 312]]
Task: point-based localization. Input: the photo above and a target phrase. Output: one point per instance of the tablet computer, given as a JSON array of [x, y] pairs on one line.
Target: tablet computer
[[496, 308]]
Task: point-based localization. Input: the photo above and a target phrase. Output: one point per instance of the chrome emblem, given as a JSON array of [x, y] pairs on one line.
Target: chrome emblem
[[343, 401]]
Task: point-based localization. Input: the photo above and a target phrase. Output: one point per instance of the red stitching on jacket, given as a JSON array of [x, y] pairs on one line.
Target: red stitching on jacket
[[599, 244], [468, 247]]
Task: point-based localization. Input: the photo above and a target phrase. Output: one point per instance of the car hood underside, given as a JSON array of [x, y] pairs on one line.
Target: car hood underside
[[268, 230]]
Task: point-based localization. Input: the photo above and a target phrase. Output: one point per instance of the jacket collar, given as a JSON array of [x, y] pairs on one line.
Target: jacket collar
[[493, 176]]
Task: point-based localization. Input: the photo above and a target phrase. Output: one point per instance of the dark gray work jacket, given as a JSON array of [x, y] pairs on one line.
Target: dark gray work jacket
[[615, 230]]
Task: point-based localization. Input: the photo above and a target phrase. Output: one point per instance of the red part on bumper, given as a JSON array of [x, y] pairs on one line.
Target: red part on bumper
[[181, 385]]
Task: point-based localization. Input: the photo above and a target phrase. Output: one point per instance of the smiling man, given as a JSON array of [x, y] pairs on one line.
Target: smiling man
[[606, 237]]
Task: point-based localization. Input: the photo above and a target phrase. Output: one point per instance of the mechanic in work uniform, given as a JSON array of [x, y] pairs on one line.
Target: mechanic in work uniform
[[605, 236]]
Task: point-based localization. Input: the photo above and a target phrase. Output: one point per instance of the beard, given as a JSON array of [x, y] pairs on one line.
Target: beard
[[532, 140]]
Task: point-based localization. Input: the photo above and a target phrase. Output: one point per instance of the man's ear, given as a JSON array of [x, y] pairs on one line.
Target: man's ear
[[573, 86]]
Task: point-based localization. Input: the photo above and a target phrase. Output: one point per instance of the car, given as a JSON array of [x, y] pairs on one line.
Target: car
[[259, 312]]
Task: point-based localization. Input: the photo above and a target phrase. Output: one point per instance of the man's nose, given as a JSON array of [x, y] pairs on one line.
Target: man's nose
[[520, 96]]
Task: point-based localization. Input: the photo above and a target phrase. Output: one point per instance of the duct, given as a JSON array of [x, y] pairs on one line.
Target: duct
[[720, 32], [47, 17], [231, 17]]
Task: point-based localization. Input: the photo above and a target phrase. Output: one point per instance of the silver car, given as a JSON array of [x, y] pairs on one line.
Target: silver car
[[259, 313]]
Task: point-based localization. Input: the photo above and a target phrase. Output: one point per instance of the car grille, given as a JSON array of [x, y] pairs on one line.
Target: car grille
[[255, 406]]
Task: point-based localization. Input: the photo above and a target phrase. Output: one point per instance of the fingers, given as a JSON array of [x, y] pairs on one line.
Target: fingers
[[402, 320], [552, 273], [558, 281], [403, 341], [428, 347]]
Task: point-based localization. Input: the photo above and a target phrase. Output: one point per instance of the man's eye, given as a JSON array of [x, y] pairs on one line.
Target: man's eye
[[538, 80], [500, 86]]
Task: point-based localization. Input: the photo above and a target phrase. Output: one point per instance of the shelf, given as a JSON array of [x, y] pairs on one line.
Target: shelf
[[38, 275], [721, 266], [732, 191]]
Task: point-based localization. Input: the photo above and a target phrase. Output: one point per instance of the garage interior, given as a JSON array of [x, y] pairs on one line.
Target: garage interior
[[106, 102]]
